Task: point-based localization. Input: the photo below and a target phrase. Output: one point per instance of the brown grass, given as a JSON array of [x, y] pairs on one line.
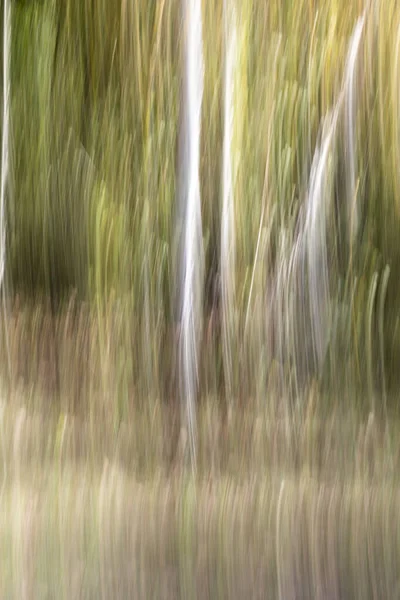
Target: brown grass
[[289, 501]]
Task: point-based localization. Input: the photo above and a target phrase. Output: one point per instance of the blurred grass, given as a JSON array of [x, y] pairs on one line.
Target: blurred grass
[[222, 540], [92, 459], [81, 521]]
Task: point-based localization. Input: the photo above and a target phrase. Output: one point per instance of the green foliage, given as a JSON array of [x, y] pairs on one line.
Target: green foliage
[[92, 197]]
